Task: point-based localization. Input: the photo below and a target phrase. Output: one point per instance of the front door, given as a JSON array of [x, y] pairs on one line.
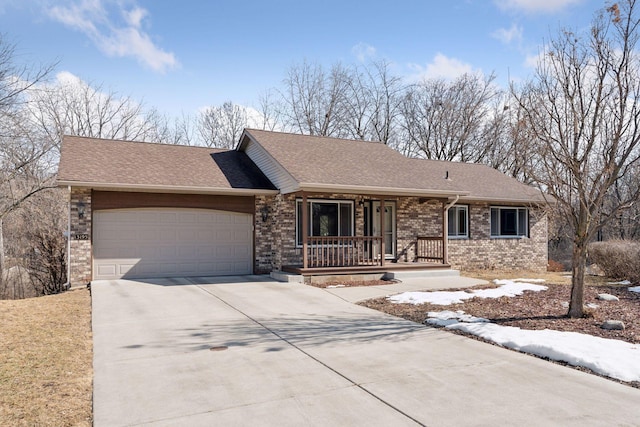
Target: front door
[[389, 226]]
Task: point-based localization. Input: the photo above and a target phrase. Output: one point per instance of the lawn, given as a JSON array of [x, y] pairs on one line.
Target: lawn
[[46, 353]]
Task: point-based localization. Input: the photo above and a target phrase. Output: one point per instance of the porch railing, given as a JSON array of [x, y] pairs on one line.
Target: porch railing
[[430, 249], [343, 251]]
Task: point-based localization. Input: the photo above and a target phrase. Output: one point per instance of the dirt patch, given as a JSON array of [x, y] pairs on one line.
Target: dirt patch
[[46, 352]]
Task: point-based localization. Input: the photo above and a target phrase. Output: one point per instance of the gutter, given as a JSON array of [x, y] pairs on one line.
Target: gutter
[[450, 205], [170, 189], [416, 192], [445, 229]]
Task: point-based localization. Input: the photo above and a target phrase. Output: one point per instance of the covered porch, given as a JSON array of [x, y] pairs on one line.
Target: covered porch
[[383, 242]]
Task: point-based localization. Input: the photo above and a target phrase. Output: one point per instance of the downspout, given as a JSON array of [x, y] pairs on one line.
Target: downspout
[[445, 229]]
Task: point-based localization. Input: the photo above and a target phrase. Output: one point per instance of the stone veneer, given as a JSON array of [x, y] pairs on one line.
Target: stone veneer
[[80, 249], [275, 238]]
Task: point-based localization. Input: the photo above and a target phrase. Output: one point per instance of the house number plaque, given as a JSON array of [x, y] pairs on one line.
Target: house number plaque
[[81, 236]]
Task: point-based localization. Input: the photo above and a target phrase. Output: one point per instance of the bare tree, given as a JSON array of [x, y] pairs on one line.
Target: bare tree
[[448, 120], [372, 103], [270, 109], [314, 99], [583, 110], [24, 170], [222, 126], [74, 107]]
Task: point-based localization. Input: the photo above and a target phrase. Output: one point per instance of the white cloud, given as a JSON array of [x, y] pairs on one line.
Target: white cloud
[[118, 34], [363, 51], [532, 61], [536, 6], [507, 36], [441, 67]]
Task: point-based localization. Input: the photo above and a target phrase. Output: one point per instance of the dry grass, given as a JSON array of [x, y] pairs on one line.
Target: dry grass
[[46, 353]]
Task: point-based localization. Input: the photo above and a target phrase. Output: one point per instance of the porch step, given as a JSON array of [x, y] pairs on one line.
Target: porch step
[[409, 274], [281, 276]]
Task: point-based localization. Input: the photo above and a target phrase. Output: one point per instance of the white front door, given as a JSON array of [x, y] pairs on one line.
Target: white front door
[[389, 226]]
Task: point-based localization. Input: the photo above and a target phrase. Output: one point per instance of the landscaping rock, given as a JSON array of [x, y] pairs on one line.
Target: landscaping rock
[[608, 297], [613, 325]]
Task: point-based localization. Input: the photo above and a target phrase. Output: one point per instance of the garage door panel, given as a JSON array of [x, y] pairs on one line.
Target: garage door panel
[[140, 243]]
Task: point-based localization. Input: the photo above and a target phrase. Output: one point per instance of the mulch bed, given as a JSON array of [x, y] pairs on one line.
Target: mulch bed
[[540, 310]]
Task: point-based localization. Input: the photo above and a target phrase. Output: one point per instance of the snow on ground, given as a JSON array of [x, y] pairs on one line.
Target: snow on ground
[[622, 282], [529, 280], [613, 358], [507, 288]]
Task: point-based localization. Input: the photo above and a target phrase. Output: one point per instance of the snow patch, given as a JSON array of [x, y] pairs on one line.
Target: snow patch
[[635, 289], [507, 288], [613, 358], [622, 282]]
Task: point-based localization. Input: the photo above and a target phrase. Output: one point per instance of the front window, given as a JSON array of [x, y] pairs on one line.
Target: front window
[[458, 220], [326, 218], [509, 222]]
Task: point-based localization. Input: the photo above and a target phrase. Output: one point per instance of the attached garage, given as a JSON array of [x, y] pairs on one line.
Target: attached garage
[[165, 242], [143, 210]]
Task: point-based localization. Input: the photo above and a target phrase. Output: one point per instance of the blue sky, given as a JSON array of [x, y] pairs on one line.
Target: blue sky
[[180, 56]]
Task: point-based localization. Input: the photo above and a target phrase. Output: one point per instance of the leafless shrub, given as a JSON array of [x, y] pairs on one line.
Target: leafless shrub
[[619, 259]]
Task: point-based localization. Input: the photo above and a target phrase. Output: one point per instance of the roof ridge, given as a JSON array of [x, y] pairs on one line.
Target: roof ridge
[[162, 144], [315, 136]]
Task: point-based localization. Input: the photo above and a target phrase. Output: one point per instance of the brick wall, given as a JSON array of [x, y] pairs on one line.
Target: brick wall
[[480, 251], [80, 260], [275, 239], [414, 219]]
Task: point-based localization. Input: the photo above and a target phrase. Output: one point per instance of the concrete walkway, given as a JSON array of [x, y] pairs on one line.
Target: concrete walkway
[[297, 355]]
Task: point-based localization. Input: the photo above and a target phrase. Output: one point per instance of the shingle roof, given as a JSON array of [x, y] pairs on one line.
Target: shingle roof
[[321, 161], [113, 163]]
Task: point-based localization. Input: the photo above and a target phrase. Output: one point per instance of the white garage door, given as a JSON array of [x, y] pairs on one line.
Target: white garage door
[[139, 243]]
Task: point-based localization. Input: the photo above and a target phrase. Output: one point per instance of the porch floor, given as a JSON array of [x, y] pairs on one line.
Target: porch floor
[[357, 269]]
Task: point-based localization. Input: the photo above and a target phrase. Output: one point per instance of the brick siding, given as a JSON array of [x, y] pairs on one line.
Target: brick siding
[[275, 244], [480, 251]]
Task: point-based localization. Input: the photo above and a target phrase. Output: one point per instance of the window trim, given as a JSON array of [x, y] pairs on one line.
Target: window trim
[[298, 234], [518, 234], [467, 221]]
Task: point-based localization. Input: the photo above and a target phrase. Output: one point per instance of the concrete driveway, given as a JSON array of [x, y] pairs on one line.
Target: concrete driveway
[[297, 355]]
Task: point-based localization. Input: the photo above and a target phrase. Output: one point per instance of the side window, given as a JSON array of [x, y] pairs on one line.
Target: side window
[[509, 222], [458, 219]]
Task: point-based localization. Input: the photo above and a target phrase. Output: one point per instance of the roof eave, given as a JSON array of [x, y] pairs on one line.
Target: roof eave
[[372, 190], [502, 200], [167, 188]]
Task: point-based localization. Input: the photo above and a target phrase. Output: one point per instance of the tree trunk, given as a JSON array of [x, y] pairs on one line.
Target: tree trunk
[[576, 306]]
